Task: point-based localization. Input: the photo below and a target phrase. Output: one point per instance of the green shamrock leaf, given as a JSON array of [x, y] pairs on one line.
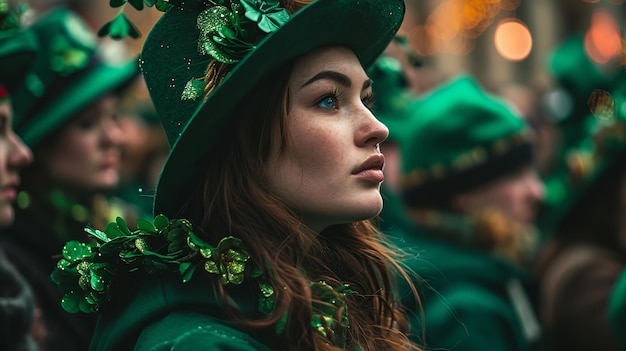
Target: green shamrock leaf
[[117, 3], [119, 28]]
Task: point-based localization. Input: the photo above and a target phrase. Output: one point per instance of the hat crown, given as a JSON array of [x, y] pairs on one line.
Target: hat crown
[[455, 119], [66, 46], [224, 31], [17, 47]]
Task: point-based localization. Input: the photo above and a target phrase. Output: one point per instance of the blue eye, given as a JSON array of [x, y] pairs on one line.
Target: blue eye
[[327, 102]]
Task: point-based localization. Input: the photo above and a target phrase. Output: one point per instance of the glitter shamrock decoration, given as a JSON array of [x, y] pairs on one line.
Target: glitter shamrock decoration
[[10, 16], [86, 271], [228, 28]]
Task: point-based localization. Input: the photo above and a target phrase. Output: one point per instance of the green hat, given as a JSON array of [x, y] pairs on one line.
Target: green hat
[[580, 165], [574, 71], [394, 101], [462, 137], [576, 76], [67, 76], [17, 51], [174, 64]]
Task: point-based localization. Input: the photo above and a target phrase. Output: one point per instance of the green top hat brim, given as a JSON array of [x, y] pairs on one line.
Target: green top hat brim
[[17, 53], [85, 90], [366, 27]]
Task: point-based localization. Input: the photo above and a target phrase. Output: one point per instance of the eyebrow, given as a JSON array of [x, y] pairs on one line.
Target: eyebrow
[[337, 77]]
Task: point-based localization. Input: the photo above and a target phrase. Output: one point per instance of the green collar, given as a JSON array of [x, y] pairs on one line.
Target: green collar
[[86, 273]]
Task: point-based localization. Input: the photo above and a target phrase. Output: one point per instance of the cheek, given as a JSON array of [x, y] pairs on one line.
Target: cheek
[[316, 149], [71, 151]]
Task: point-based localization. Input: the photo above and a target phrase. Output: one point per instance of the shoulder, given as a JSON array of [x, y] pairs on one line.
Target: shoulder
[[579, 267], [471, 298], [469, 316], [187, 330]]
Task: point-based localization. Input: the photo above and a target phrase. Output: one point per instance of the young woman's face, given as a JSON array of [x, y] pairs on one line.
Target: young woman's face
[[14, 155], [86, 155], [330, 170]]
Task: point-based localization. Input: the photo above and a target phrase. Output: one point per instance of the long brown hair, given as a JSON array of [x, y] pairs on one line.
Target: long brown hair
[[236, 200]]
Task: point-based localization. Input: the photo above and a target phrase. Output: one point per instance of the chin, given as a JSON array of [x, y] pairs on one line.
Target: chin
[[107, 182], [6, 215], [373, 210]]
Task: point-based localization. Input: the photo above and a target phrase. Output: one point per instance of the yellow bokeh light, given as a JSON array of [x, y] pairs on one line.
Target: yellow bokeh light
[[513, 40]]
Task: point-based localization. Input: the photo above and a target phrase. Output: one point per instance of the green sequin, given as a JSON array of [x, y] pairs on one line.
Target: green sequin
[[193, 89]]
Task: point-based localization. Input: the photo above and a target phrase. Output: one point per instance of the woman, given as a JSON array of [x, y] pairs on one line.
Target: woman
[[270, 186], [17, 51], [66, 112]]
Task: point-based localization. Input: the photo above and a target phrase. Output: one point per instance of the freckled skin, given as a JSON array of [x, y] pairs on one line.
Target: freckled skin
[[331, 133]]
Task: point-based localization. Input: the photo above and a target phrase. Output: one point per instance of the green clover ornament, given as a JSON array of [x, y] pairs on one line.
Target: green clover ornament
[[66, 58], [269, 15], [86, 272]]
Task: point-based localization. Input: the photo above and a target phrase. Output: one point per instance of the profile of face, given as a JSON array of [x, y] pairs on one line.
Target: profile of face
[[14, 155], [330, 169], [516, 195], [85, 155]]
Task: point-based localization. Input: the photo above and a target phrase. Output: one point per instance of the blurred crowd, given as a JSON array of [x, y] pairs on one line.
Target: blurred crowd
[[509, 201]]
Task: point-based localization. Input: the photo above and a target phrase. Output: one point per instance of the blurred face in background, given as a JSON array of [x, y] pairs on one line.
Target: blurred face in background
[[516, 195], [14, 155], [86, 153]]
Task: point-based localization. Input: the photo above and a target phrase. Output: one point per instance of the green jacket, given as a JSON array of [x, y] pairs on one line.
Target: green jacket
[[471, 300], [161, 313]]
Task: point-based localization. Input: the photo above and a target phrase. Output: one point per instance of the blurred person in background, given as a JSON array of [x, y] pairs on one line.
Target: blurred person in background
[[65, 112], [585, 252], [20, 326], [470, 188]]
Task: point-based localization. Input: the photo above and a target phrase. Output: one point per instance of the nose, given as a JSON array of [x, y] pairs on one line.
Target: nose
[[112, 133], [20, 156], [536, 187], [373, 131]]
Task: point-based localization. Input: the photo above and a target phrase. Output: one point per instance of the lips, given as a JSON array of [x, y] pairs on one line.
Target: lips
[[9, 191], [374, 162]]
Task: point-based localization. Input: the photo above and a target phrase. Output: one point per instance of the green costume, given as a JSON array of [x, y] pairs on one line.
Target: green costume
[[175, 304], [472, 292]]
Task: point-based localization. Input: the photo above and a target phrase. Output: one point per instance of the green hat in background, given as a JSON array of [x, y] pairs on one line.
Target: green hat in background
[[585, 87], [17, 49], [255, 37], [576, 77], [462, 137], [580, 164], [394, 101], [67, 76], [573, 70]]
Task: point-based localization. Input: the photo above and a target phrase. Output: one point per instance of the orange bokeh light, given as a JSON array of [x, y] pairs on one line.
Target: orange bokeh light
[[513, 40], [603, 41]]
